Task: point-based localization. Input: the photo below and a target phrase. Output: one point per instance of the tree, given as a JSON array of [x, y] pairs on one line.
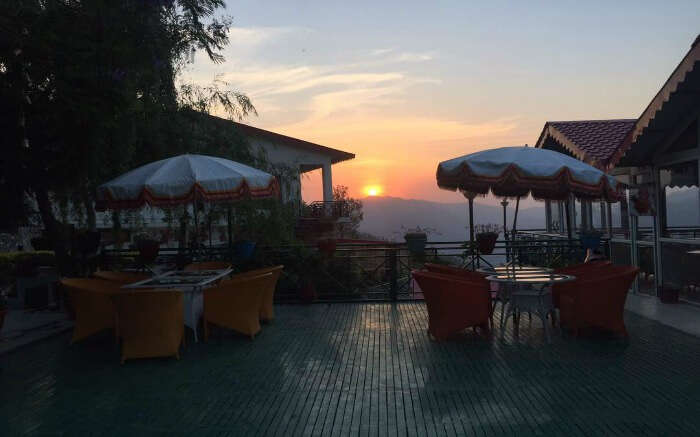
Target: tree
[[353, 207], [87, 91]]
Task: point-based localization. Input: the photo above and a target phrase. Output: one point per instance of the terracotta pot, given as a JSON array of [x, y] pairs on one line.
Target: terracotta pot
[[486, 242], [307, 292], [327, 247], [148, 250]]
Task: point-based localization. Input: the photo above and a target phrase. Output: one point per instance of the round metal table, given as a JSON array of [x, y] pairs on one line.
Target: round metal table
[[532, 294]]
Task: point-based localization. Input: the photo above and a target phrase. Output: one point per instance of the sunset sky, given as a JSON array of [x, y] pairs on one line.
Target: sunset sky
[[404, 85]]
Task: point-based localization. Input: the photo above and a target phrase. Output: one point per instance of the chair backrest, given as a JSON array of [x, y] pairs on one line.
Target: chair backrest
[[94, 285], [275, 270], [241, 293], [158, 312], [451, 270], [442, 290], [121, 277], [610, 284], [208, 265], [583, 266]]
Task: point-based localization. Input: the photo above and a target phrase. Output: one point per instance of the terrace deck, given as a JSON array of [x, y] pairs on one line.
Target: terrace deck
[[362, 369]]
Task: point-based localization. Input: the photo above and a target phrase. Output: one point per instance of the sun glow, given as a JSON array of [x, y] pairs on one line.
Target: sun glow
[[373, 190]]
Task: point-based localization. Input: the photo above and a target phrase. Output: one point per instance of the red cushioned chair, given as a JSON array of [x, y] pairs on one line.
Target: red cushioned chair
[[599, 300], [453, 303], [451, 270], [582, 271], [469, 275]]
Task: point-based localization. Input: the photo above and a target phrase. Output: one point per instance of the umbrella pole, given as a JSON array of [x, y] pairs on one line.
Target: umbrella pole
[[568, 223], [471, 229], [196, 221], [515, 226]]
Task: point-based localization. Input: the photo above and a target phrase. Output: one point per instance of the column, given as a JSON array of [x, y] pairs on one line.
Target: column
[[327, 183]]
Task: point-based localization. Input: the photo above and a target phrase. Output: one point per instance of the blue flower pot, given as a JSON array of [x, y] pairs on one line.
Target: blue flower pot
[[590, 240], [244, 249]]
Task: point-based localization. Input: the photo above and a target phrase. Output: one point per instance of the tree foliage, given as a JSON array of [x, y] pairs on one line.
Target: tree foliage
[[354, 210], [88, 91]]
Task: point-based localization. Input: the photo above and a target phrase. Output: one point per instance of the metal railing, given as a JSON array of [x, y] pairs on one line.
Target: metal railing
[[325, 209], [366, 271]]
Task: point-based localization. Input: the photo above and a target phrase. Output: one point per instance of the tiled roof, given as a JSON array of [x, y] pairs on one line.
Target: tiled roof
[[592, 141]]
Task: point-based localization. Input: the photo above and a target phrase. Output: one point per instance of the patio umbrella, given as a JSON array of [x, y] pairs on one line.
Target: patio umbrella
[[520, 171], [185, 179]]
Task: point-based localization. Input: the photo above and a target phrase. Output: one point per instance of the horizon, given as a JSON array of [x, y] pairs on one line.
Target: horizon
[[371, 84]]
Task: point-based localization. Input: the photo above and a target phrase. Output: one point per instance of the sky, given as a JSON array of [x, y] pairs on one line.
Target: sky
[[404, 85]]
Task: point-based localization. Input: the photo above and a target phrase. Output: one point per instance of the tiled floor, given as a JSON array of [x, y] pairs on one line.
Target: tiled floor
[[361, 369], [682, 316], [23, 327]]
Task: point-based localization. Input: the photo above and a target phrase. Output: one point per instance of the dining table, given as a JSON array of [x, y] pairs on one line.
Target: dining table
[[530, 291], [192, 284]]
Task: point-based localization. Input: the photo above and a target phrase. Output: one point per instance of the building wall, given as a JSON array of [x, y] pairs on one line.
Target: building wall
[[283, 155]]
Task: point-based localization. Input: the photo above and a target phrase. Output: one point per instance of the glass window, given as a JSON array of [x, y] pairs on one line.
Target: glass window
[[681, 200]]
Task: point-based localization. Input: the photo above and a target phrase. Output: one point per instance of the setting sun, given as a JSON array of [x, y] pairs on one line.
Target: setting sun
[[373, 190]]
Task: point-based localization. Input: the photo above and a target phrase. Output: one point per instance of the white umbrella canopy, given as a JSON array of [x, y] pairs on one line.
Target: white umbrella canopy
[[184, 179], [519, 171]]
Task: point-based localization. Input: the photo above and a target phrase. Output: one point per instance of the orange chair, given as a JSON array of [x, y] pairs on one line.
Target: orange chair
[[469, 275], [151, 323], [121, 277], [91, 301], [582, 271], [453, 303], [235, 304], [450, 270], [599, 300], [208, 265], [267, 310]]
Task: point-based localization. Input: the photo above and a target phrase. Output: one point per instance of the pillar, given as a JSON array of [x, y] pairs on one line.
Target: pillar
[[327, 182]]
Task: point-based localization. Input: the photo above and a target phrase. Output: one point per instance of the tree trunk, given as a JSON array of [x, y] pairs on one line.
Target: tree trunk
[[54, 230], [89, 208]]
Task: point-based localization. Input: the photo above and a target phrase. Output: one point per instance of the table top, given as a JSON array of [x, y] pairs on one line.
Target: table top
[[181, 279], [693, 252], [518, 269], [532, 278]]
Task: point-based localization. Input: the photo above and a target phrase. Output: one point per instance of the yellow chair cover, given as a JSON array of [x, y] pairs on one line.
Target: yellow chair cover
[[91, 301], [267, 309], [235, 304], [151, 323], [209, 265], [121, 277]]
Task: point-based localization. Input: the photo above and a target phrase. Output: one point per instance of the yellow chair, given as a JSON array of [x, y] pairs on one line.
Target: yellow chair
[[121, 277], [151, 323], [91, 301], [235, 304], [267, 309], [209, 265]]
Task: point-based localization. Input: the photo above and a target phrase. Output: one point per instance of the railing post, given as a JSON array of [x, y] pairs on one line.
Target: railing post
[[393, 274]]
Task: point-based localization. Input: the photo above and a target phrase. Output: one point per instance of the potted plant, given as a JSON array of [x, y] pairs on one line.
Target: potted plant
[[416, 238], [486, 237]]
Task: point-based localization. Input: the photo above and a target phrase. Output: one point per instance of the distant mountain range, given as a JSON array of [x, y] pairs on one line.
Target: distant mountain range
[[385, 216]]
